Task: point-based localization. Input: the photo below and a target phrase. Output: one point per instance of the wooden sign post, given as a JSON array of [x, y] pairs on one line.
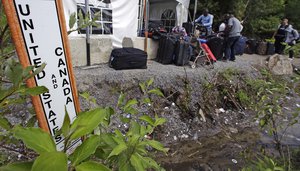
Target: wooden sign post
[[39, 33]]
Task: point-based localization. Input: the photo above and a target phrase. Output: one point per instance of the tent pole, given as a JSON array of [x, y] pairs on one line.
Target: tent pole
[[146, 18], [87, 33], [195, 10]]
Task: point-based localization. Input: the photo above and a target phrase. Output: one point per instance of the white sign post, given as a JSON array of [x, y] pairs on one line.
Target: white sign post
[[40, 36]]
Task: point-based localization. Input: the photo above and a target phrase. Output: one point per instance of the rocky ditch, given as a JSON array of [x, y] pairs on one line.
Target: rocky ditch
[[203, 131]]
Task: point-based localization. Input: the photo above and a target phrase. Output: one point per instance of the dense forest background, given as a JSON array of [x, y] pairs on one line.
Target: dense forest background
[[260, 17]]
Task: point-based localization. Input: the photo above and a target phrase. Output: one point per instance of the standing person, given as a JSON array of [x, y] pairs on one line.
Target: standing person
[[206, 20], [280, 35], [233, 33], [292, 36]]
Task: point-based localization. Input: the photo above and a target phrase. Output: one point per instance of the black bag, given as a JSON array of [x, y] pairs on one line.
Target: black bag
[[182, 53], [270, 48], [166, 48], [188, 27], [217, 46], [128, 58], [251, 46], [261, 48], [240, 46]]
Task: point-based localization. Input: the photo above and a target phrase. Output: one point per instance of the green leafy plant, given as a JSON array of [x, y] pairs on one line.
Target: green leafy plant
[[105, 150], [264, 164], [82, 21]]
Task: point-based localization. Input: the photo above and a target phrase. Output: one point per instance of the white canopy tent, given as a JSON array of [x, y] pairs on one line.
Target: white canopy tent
[[125, 15]]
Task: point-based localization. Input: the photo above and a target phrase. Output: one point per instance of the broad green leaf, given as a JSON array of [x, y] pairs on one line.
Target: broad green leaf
[[27, 70], [80, 21], [34, 91], [72, 20], [4, 123], [130, 103], [91, 166], [136, 162], [14, 72], [87, 122], [31, 122], [65, 129], [134, 128], [121, 100], [118, 149], [87, 148], [147, 119], [38, 70], [157, 145], [85, 95], [123, 163], [146, 100], [150, 82], [262, 122], [278, 169], [26, 166], [35, 139], [108, 139], [160, 121], [143, 87], [133, 140], [149, 163], [131, 110], [52, 161], [156, 91]]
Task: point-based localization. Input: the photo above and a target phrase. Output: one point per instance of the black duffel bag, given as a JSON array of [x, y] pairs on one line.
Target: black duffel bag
[[128, 58]]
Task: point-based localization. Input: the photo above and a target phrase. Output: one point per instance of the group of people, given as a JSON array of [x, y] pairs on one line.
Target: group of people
[[231, 29]]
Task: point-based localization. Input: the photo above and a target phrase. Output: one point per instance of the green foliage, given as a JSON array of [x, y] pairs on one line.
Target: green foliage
[[82, 21], [6, 46], [124, 151], [30, 136], [264, 164], [51, 161], [25, 166]]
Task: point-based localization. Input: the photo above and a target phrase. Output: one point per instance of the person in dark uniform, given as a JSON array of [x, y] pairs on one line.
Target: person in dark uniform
[[280, 35]]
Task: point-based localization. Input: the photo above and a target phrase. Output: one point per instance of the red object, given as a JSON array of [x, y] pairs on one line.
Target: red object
[[208, 51]]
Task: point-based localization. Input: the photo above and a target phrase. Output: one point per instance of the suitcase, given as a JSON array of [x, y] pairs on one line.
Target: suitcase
[[188, 27], [208, 52], [166, 48], [262, 48], [128, 58], [182, 53], [251, 46], [216, 45], [270, 48], [240, 46]]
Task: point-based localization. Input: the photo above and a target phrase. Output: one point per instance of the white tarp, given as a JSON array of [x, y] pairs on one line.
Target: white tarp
[[125, 14]]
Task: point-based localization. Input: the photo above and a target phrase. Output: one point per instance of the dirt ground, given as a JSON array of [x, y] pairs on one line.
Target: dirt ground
[[194, 144]]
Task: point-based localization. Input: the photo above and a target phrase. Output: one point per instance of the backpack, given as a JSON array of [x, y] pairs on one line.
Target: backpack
[[295, 34]]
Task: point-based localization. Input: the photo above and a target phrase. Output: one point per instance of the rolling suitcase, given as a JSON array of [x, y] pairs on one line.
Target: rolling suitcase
[[270, 48], [128, 58], [216, 45], [166, 47], [182, 53], [188, 27], [240, 46]]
